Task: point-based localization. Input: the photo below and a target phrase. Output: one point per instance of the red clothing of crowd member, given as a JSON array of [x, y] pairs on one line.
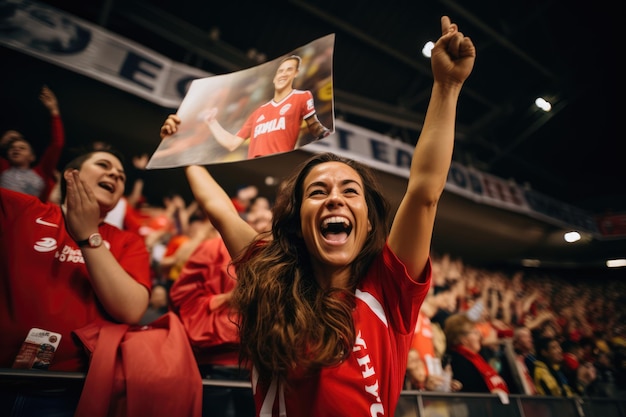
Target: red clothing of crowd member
[[137, 371], [423, 337], [199, 297], [423, 341], [44, 281]]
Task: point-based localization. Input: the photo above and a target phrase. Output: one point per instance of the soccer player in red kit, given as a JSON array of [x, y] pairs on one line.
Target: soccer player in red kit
[[275, 126]]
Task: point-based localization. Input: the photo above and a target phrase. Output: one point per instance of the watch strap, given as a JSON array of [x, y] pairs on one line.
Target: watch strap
[[82, 243], [87, 242]]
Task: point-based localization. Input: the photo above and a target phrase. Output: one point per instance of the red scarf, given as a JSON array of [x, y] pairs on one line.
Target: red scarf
[[491, 377]]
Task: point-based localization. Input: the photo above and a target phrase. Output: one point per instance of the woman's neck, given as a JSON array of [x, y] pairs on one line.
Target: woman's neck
[[332, 277]]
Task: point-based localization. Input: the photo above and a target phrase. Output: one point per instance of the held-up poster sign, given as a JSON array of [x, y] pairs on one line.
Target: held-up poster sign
[[275, 107]]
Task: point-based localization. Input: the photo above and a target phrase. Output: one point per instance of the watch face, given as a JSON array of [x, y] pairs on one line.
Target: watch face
[[95, 240]]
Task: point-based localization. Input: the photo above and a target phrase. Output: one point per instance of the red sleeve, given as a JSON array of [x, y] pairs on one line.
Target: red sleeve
[[238, 206], [174, 244], [410, 294], [205, 275], [48, 162], [133, 220], [504, 333], [130, 251], [308, 105]]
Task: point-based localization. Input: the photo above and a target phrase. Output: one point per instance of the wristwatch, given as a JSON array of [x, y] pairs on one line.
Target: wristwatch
[[93, 241]]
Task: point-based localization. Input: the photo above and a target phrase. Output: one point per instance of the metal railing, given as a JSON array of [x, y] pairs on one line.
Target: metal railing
[[411, 403]]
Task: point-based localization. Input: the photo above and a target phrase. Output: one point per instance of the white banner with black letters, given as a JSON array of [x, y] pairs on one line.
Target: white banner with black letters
[[70, 42]]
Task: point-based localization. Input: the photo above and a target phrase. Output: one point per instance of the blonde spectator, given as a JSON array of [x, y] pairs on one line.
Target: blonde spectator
[[468, 366]]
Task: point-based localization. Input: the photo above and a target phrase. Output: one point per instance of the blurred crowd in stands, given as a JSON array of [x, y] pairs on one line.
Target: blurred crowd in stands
[[479, 330], [540, 333]]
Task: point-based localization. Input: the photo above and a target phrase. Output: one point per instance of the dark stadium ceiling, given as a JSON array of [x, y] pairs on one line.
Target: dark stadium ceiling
[[563, 51]]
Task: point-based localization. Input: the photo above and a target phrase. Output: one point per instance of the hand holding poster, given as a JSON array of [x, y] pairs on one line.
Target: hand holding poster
[[272, 108]]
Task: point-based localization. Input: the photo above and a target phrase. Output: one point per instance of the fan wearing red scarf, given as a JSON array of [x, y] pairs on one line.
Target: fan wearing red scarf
[[468, 366]]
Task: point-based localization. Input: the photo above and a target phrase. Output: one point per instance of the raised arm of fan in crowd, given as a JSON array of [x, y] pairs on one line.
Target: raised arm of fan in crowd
[[410, 236], [235, 231], [49, 100]]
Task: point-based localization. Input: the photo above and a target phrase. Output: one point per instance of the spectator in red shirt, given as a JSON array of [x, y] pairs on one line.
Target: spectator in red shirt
[[62, 268]]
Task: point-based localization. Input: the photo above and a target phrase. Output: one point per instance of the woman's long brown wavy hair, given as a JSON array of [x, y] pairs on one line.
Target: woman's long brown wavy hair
[[286, 320]]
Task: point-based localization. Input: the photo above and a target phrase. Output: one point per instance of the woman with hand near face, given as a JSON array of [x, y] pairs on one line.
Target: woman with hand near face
[[63, 268]]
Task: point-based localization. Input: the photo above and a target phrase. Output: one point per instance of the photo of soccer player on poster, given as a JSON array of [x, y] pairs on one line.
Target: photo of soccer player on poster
[[271, 108]]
